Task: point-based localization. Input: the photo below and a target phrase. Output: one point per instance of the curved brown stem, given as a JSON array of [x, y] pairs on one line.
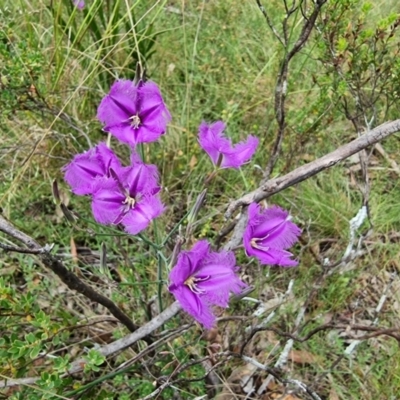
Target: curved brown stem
[[306, 171], [66, 276]]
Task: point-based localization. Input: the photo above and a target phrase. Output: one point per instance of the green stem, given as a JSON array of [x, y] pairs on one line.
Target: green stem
[[145, 239], [160, 282], [100, 380], [211, 177], [159, 269], [244, 180], [115, 232], [139, 283], [173, 230], [141, 151]]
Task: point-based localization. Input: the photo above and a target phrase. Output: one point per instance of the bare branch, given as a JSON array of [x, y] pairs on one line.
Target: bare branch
[[66, 276], [269, 22], [168, 382], [376, 331], [304, 172], [133, 337], [112, 348], [300, 385], [23, 250], [282, 81], [164, 339], [307, 29]]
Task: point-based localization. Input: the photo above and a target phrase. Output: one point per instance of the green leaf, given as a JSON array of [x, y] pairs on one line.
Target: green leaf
[[341, 44], [35, 351]]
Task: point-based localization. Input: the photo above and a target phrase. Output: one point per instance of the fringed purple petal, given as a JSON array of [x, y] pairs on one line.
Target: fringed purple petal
[[107, 202], [268, 233], [221, 150], [266, 221], [207, 278], [188, 262], [284, 237], [275, 229], [81, 172], [141, 179], [107, 157], [194, 305], [182, 270], [221, 268], [212, 141], [124, 132], [149, 132], [119, 105], [152, 106], [272, 256], [139, 217], [243, 152], [134, 113], [199, 252]]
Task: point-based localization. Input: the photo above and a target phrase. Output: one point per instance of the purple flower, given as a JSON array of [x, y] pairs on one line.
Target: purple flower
[[202, 278], [128, 196], [79, 4], [81, 172], [223, 154], [134, 113], [268, 234]]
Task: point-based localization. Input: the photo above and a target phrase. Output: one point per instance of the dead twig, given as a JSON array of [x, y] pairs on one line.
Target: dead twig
[[66, 276], [167, 382], [22, 250], [274, 372], [304, 172], [168, 337], [379, 148], [282, 80], [376, 331], [269, 22], [109, 349]]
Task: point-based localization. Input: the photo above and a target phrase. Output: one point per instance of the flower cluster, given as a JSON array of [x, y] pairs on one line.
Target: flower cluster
[[134, 112], [202, 278]]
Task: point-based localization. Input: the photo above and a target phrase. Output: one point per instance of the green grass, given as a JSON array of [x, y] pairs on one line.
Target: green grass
[[212, 60]]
